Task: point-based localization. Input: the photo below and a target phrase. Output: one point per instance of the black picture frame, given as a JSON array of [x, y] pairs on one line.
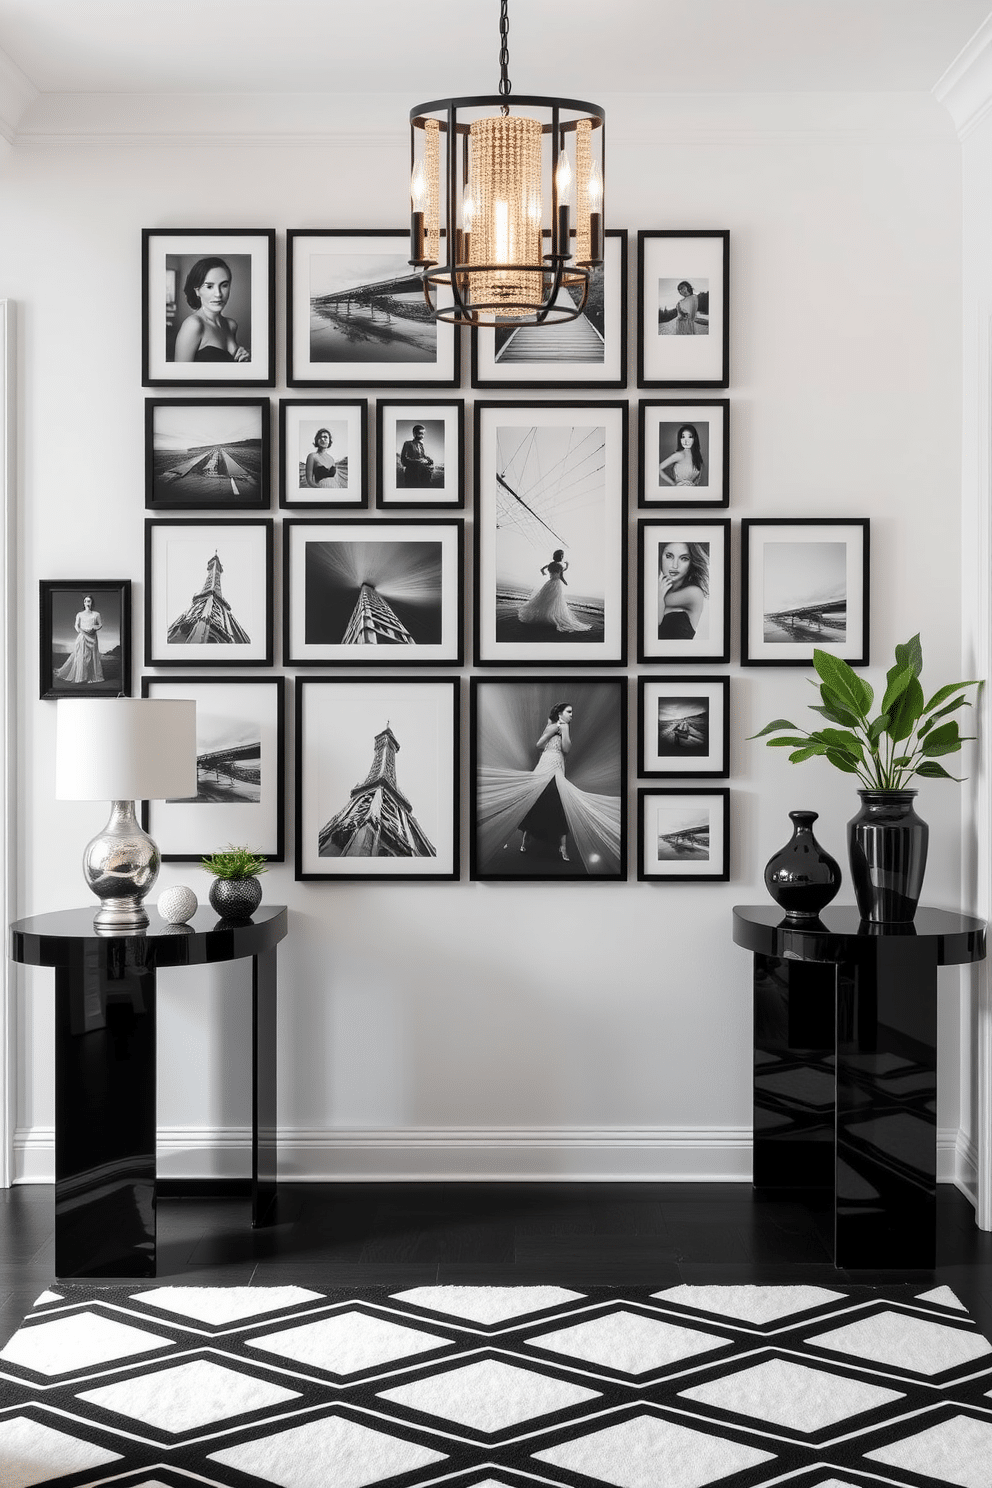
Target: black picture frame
[[228, 471], [709, 641], [180, 569], [683, 727], [698, 836], [780, 625], [62, 644], [660, 424], [440, 486], [301, 421], [667, 258]]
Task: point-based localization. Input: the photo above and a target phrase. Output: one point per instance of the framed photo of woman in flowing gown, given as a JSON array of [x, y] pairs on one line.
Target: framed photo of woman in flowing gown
[[684, 452], [683, 309], [85, 648]]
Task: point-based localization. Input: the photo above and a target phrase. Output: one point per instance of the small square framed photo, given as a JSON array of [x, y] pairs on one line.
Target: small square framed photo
[[804, 584], [683, 309], [208, 307], [683, 589], [588, 352], [208, 593], [377, 778], [240, 772], [372, 593], [323, 448], [356, 314], [683, 727], [420, 447], [206, 453], [683, 835], [685, 452], [85, 638]]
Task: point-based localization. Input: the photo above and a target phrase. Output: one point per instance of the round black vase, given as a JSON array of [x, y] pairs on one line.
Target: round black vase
[[235, 898], [887, 843], [801, 877]]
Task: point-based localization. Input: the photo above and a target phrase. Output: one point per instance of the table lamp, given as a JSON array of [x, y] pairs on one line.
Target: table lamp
[[122, 750]]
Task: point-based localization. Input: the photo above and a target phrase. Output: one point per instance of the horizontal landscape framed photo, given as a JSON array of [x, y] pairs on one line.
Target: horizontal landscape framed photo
[[356, 313], [683, 589], [587, 352], [372, 592], [685, 452], [549, 778], [683, 835], [208, 307], [85, 638], [208, 592], [683, 309], [683, 726], [804, 584], [207, 453], [420, 453], [240, 771], [323, 459], [377, 778]]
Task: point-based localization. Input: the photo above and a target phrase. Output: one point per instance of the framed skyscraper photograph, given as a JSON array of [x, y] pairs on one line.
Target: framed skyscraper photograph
[[208, 592], [377, 778]]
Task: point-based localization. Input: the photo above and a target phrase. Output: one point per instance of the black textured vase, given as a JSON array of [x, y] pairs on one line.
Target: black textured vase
[[887, 843], [235, 898], [801, 877]]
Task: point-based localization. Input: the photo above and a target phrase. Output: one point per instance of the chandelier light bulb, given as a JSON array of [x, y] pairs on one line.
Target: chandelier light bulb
[[563, 181], [595, 187], [418, 187]]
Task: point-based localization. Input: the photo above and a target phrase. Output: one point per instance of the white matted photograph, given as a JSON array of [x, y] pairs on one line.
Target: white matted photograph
[[207, 452], [683, 835], [805, 585], [683, 599], [322, 452], [419, 453], [208, 593], [683, 726], [685, 452], [683, 309]]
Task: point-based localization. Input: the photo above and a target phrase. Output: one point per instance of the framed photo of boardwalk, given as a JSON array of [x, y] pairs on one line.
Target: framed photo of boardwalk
[[804, 584], [85, 638], [419, 445], [364, 593], [588, 352], [683, 726], [683, 309], [683, 835], [683, 589], [240, 773], [323, 452], [356, 314], [207, 453], [208, 307], [208, 593], [377, 778], [550, 534], [684, 452], [549, 778]]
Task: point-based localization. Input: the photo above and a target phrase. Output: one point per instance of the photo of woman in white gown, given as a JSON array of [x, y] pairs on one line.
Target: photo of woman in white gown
[[83, 663], [548, 605]]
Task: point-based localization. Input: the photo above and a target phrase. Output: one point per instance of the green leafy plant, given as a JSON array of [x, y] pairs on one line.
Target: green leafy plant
[[904, 739], [235, 862]]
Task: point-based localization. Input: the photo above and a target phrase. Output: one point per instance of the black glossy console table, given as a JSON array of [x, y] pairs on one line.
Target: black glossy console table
[[845, 1069], [105, 1072]]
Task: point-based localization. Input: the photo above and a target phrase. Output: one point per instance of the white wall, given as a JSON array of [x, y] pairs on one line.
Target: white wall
[[496, 1029]]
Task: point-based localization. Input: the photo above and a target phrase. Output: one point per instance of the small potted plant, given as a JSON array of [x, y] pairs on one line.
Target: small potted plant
[[908, 735], [235, 893]]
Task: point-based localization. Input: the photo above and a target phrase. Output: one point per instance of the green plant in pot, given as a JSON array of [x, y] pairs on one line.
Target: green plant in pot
[[235, 893], [907, 737]]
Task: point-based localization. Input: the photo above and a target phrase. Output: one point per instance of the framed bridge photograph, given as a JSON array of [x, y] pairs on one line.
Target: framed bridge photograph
[[683, 835], [804, 584], [204, 454]]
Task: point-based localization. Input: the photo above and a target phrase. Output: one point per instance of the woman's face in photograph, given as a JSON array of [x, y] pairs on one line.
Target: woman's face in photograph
[[215, 291], [87, 602], [323, 440], [687, 440], [674, 561], [565, 716]]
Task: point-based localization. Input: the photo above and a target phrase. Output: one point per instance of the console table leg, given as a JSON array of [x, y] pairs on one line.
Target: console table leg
[[793, 1074], [263, 1116]]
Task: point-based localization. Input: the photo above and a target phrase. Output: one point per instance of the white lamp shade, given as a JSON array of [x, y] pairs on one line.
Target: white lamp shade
[[125, 749]]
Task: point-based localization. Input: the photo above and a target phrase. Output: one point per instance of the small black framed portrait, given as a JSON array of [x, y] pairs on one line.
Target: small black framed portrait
[[208, 307], [322, 452], [420, 453], [85, 638], [683, 726], [203, 454], [804, 584], [683, 309], [685, 452], [208, 592], [683, 589], [683, 835]]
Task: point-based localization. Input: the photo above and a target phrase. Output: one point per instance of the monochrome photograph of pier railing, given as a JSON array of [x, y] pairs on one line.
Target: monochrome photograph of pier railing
[[683, 834], [805, 584]]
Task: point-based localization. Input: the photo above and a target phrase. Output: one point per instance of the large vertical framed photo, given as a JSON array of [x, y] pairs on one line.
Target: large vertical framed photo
[[683, 309], [323, 448], [684, 452], [207, 453], [356, 314], [804, 584], [683, 589], [549, 778], [240, 771], [208, 307], [587, 352], [367, 593], [683, 727], [550, 534], [208, 593], [85, 638], [377, 778], [420, 453], [683, 835]]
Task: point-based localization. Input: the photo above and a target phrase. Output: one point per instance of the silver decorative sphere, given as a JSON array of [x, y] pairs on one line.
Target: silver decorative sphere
[[177, 905]]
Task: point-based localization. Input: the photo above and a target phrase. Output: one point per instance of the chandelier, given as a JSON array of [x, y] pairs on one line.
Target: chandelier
[[510, 192]]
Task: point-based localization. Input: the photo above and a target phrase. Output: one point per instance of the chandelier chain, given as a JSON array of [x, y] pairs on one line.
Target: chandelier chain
[[504, 52]]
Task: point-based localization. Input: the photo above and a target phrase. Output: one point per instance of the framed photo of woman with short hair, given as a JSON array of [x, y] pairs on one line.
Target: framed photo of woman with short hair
[[85, 648], [323, 445], [683, 589], [420, 445], [685, 452], [683, 309]]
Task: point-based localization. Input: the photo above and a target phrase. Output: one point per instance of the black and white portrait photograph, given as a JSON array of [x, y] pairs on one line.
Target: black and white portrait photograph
[[685, 453], [372, 593], [208, 307], [377, 778], [322, 447], [208, 593], [550, 492], [683, 308], [419, 447], [805, 585], [683, 835], [683, 583], [240, 776], [683, 726], [85, 645], [549, 759], [203, 453], [356, 313]]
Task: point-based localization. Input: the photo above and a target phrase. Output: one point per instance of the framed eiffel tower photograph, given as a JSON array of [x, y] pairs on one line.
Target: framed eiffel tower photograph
[[208, 592], [377, 778]]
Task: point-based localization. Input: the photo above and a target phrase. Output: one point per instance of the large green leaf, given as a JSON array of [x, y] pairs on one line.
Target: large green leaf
[[907, 710], [846, 742], [769, 728], [805, 754], [842, 761], [877, 728], [839, 711], [784, 741], [852, 690], [910, 654], [945, 692], [932, 771], [943, 740], [897, 679]]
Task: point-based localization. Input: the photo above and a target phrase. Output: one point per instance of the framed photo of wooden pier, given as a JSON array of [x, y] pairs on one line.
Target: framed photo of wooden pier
[[683, 835], [804, 585]]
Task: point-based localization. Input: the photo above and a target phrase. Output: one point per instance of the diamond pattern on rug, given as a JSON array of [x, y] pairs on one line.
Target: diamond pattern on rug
[[186, 1397], [792, 1395], [648, 1452], [67, 1344], [750, 1304], [480, 1304], [957, 1451], [334, 1451], [906, 1342], [489, 1396], [629, 1342], [349, 1343], [221, 1305], [31, 1453], [944, 1296]]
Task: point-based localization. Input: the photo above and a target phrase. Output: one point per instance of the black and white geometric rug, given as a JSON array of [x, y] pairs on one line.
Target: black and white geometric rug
[[496, 1387]]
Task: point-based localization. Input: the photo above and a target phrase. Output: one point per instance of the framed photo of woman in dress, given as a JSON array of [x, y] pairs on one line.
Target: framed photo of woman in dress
[[683, 309], [804, 584], [420, 453], [685, 452], [549, 778], [203, 453], [683, 589], [85, 648], [683, 727], [208, 592], [683, 835], [323, 452]]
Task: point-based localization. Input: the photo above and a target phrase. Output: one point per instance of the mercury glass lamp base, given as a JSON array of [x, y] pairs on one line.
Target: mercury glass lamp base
[[120, 866]]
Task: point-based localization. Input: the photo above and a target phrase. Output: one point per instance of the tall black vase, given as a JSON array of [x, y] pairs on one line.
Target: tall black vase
[[887, 843], [802, 877]]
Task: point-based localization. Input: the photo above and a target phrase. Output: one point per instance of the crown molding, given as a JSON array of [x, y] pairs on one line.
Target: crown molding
[[965, 89], [17, 94]]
